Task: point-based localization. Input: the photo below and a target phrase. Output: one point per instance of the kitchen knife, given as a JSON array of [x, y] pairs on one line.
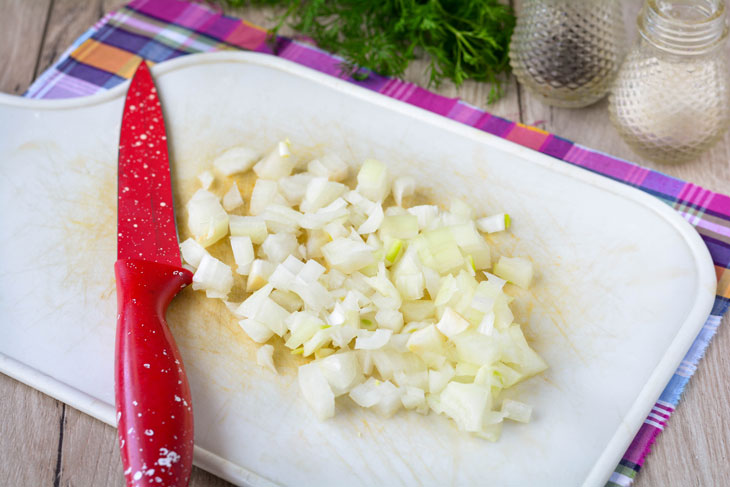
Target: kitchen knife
[[154, 406]]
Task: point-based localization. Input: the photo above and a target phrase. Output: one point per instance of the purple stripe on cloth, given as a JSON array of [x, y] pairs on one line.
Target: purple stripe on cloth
[[494, 125], [137, 44], [719, 251], [663, 184], [465, 114], [311, 57], [219, 26], [641, 446], [63, 86], [556, 146], [431, 101], [167, 10], [83, 71]]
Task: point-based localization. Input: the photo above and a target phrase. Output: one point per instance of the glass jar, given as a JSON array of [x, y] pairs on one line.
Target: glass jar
[[671, 100], [567, 52]]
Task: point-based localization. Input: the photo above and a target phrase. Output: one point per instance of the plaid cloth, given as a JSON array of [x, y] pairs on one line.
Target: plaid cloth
[[158, 30]]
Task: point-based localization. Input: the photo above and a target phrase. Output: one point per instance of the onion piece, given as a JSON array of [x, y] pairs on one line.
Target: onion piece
[[257, 331], [316, 390], [192, 252], [276, 164], [248, 226], [213, 276], [515, 270], [372, 340], [278, 246], [342, 371], [329, 166], [235, 160], [451, 323], [206, 179], [494, 223], [347, 255], [259, 274], [403, 187], [465, 404], [516, 411], [320, 193], [232, 199], [264, 194], [294, 187], [242, 254], [265, 357], [207, 219], [372, 180]]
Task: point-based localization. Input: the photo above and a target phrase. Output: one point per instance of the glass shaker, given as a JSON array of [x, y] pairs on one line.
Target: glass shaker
[[671, 99], [568, 52]]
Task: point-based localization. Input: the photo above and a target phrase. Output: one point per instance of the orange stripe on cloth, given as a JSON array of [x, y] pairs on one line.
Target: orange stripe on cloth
[[109, 58], [723, 281]]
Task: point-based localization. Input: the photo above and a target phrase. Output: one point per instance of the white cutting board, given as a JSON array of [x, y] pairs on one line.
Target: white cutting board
[[624, 284]]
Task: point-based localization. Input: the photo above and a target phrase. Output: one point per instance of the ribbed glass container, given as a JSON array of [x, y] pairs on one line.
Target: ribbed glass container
[[567, 52], [671, 99]]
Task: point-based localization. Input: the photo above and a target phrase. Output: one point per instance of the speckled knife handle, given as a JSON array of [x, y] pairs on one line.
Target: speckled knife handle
[[154, 407]]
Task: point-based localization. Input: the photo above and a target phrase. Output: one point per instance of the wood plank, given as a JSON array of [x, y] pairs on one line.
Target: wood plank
[[84, 434], [69, 19], [29, 435], [693, 450], [22, 24]]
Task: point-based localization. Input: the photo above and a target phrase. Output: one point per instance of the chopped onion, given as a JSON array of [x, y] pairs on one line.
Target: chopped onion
[[465, 404], [372, 180], [316, 391], [242, 254], [330, 166], [347, 255], [402, 188], [264, 194], [516, 411], [374, 340], [232, 199], [425, 215], [375, 219], [253, 227], [277, 164], [192, 252], [206, 179], [342, 371], [214, 277], [515, 270], [294, 187], [365, 289], [320, 193], [494, 223], [257, 331], [207, 219], [235, 160], [451, 323], [278, 246], [259, 274], [265, 357]]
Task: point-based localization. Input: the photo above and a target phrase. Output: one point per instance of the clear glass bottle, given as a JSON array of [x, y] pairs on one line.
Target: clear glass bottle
[[568, 52], [671, 99]]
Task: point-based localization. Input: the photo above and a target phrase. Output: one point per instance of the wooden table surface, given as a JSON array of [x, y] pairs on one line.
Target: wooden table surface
[[43, 442]]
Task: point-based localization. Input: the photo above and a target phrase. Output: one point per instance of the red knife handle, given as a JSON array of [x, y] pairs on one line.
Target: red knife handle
[[154, 406]]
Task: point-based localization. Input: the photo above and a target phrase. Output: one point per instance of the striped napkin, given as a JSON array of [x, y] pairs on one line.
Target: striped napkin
[[157, 30]]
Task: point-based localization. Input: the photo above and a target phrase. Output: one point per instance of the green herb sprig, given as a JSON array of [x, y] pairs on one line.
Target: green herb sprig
[[462, 39]]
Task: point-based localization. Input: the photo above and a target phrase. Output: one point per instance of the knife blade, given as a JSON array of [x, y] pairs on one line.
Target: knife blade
[[153, 400]]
